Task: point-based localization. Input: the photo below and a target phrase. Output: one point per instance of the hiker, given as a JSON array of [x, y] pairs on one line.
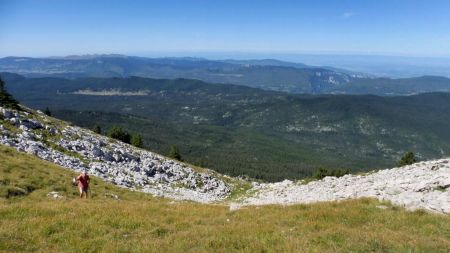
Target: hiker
[[83, 184]]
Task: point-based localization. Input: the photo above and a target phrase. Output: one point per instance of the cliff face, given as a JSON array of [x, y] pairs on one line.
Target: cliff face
[[127, 166]]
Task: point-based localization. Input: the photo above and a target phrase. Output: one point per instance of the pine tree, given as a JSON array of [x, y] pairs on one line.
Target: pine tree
[[97, 129], [407, 159], [136, 141], [119, 134], [7, 99], [174, 153], [322, 172], [47, 111]]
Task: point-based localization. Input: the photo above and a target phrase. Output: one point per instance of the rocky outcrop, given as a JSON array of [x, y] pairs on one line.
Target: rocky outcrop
[[424, 185], [122, 164]]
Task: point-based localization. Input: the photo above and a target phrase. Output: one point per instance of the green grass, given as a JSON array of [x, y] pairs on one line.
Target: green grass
[[241, 188], [32, 222]]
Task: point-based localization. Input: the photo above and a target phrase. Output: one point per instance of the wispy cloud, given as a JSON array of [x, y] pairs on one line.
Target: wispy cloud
[[348, 14]]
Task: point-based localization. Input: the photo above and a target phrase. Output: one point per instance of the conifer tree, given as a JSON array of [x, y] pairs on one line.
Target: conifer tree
[[97, 129], [407, 159], [47, 111], [119, 134], [174, 153], [6, 99]]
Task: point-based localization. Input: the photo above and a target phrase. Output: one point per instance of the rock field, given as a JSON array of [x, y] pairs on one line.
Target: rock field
[[423, 185], [122, 164]]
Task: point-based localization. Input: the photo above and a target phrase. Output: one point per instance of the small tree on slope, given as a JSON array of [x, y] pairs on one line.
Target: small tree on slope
[[136, 141], [97, 129], [174, 153], [47, 111], [7, 99], [407, 159], [119, 134]]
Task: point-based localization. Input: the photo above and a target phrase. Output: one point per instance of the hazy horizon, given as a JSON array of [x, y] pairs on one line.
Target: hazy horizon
[[378, 65]]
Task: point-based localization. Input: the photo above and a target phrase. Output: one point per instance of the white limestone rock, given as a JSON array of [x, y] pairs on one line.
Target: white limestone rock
[[424, 185], [113, 161]]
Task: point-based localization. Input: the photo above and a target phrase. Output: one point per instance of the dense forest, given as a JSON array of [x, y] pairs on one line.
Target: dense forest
[[239, 130]]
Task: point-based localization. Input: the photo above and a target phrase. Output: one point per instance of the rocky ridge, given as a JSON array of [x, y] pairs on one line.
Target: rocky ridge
[[423, 185], [122, 164]]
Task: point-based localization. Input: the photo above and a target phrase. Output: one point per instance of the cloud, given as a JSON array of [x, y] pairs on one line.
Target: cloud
[[348, 14]]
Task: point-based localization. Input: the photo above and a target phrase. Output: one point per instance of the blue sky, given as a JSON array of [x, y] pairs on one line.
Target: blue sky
[[60, 27]]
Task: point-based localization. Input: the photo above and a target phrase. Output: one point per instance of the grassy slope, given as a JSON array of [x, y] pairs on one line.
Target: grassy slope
[[140, 223]]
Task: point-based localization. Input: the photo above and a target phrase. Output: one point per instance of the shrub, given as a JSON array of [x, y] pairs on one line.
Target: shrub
[[174, 153], [322, 172], [407, 159], [136, 141], [119, 134], [11, 191]]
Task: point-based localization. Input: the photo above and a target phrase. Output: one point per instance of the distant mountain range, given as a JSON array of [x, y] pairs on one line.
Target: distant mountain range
[[242, 130], [266, 74]]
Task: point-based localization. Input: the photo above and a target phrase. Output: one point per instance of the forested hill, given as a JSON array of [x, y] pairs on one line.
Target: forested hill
[[240, 130]]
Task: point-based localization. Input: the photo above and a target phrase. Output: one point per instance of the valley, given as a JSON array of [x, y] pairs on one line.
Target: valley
[[239, 130]]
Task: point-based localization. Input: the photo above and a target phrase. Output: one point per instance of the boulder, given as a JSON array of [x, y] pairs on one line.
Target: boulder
[[7, 114], [54, 195], [112, 195], [34, 148], [30, 123], [97, 152]]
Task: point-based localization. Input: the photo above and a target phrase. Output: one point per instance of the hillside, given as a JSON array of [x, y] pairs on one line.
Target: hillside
[[239, 130], [109, 159], [390, 87], [33, 221]]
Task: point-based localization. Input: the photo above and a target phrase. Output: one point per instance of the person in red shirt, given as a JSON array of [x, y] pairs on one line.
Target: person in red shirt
[[83, 184]]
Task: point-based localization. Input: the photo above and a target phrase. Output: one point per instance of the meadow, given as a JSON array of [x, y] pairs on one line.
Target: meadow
[[32, 222]]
